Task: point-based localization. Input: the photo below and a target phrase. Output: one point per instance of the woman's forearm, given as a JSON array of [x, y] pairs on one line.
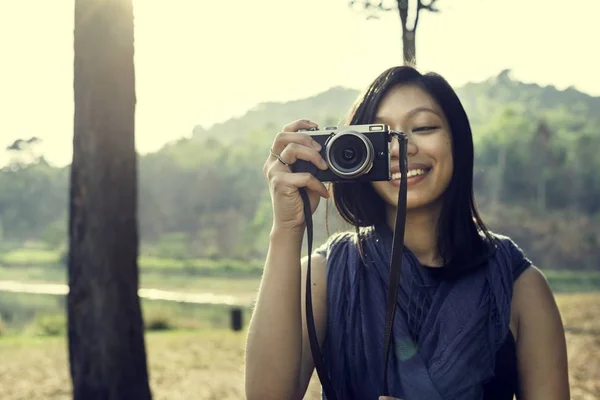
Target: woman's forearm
[[274, 344]]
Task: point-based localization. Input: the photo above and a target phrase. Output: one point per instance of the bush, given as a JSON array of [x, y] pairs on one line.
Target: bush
[[31, 257], [158, 319], [50, 325], [556, 240]]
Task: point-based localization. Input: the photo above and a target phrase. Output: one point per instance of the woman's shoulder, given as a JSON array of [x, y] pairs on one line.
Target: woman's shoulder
[[509, 254], [336, 242]]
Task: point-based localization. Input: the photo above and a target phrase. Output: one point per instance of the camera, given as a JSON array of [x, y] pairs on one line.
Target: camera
[[354, 153]]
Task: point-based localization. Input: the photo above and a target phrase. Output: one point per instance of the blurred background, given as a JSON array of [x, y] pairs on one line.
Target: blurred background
[[215, 81]]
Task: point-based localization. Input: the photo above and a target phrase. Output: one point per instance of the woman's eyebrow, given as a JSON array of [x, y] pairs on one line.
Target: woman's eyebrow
[[411, 113]]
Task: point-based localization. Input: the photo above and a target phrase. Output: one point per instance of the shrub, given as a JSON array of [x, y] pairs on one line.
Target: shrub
[[50, 325], [158, 319]]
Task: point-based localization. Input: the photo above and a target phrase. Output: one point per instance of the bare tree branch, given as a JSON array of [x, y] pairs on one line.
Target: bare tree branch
[[429, 7]]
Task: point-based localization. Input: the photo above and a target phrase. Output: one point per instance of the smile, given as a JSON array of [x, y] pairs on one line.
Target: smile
[[411, 173]]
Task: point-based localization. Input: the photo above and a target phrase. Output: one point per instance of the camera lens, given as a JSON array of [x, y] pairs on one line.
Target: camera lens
[[350, 154]]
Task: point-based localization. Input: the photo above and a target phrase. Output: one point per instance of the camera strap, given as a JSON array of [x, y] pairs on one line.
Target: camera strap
[[394, 278]]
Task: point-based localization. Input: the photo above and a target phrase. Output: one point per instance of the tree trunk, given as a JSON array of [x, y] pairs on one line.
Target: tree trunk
[[501, 167], [105, 328], [541, 189], [409, 53], [409, 47]]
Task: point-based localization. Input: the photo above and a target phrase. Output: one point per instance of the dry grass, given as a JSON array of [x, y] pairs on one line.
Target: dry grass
[[209, 365], [581, 316]]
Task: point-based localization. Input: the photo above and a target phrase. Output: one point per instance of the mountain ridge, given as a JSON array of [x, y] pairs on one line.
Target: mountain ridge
[[480, 99]]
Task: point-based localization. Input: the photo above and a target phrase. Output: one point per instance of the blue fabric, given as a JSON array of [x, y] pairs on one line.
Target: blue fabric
[[445, 334]]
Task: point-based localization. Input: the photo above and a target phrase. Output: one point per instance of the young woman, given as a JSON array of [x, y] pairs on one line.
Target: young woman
[[475, 318]]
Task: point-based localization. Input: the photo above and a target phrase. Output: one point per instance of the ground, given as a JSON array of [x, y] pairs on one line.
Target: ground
[[208, 364]]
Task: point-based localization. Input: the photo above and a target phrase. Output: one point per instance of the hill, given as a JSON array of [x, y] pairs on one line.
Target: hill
[[535, 178], [480, 99]]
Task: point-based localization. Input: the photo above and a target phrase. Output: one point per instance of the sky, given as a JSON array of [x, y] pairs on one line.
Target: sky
[[202, 62]]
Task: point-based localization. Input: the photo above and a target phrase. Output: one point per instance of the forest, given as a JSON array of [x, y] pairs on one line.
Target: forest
[[204, 196]]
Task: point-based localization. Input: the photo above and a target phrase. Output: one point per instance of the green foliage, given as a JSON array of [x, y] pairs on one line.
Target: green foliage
[[573, 282], [30, 257], [203, 266], [43, 315], [20, 311], [49, 325], [31, 198], [204, 205], [172, 245]]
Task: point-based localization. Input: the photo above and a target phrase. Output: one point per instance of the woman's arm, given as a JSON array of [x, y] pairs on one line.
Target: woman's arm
[[541, 344], [278, 362]]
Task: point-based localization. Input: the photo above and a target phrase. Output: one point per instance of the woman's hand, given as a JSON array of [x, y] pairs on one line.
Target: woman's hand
[[288, 147]]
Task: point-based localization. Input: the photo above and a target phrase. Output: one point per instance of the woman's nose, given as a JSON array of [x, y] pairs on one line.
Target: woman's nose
[[411, 147]]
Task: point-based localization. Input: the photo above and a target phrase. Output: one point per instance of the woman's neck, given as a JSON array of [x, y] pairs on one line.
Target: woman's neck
[[420, 233]]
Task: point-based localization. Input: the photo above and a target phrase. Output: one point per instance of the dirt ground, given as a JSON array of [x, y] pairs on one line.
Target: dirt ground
[[209, 365]]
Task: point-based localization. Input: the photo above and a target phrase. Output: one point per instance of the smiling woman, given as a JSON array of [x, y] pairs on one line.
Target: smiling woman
[[476, 319], [429, 146]]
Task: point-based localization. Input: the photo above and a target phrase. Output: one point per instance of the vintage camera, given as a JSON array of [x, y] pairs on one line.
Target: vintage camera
[[354, 153]]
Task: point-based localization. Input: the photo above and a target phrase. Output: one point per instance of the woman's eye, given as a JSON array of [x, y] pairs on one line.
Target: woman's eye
[[424, 128]]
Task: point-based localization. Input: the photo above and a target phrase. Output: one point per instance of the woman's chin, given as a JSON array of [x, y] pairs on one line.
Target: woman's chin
[[417, 197], [414, 200]]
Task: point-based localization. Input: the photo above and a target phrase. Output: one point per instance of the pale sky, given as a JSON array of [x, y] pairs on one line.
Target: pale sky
[[201, 62]]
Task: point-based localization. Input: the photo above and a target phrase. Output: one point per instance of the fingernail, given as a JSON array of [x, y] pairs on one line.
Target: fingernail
[[316, 145], [323, 163]]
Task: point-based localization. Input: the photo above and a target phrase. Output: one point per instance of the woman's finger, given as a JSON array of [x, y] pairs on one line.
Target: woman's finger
[[294, 151], [286, 183], [300, 124], [283, 139]]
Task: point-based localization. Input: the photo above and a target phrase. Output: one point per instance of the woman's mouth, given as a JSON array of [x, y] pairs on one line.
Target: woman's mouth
[[414, 176]]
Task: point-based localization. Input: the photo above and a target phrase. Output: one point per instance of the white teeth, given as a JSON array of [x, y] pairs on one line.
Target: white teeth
[[412, 172], [415, 172]]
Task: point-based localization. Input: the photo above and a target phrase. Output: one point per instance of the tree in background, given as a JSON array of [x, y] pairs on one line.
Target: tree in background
[[541, 156], [23, 152], [409, 26], [105, 328]]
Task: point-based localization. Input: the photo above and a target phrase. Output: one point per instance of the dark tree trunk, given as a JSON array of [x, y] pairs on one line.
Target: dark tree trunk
[[105, 328], [500, 171], [409, 48], [409, 52], [541, 191]]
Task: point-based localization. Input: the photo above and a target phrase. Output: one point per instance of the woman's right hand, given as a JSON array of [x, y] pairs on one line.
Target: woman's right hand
[[291, 145]]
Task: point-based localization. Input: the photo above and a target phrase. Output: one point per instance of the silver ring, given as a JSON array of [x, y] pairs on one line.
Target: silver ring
[[278, 157]]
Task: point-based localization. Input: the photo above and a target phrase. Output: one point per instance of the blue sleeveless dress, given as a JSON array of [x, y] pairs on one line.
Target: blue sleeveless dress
[[450, 339]]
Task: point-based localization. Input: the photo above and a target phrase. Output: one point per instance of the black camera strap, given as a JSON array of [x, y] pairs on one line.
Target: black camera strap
[[394, 278]]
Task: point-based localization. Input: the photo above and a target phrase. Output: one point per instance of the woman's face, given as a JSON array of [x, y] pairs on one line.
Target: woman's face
[[411, 110]]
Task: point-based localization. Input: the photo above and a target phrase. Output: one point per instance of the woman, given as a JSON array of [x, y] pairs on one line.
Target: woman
[[476, 320]]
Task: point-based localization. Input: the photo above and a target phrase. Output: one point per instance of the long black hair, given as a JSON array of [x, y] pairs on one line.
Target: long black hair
[[463, 239]]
